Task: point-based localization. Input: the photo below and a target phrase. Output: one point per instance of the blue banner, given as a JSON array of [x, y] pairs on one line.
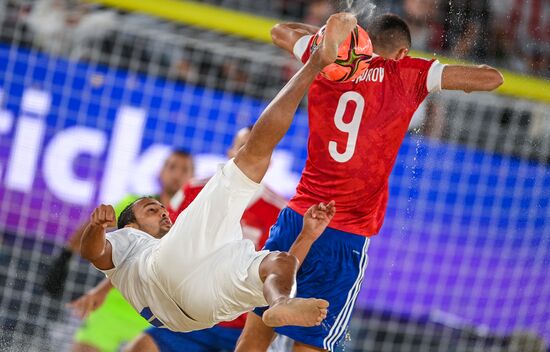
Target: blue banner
[[466, 236]]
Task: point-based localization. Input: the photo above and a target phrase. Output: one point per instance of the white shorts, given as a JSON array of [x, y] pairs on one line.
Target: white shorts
[[203, 262]]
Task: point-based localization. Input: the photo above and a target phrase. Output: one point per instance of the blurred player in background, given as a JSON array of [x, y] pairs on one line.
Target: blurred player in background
[[116, 322], [200, 271], [356, 129], [258, 217]]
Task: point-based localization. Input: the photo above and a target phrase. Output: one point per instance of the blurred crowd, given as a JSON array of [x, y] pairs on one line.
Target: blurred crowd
[[508, 33], [62, 27], [513, 34]]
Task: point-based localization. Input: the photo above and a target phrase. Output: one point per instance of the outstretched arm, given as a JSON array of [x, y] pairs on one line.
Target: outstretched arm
[[91, 300], [254, 157], [471, 78], [285, 35], [94, 246], [74, 242], [316, 220]]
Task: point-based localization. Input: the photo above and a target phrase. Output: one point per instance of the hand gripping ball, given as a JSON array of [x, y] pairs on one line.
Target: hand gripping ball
[[354, 55]]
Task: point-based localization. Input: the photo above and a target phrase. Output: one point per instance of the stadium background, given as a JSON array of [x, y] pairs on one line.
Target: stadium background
[[93, 96]]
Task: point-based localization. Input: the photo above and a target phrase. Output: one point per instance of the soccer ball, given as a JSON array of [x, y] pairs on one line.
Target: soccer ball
[[354, 55]]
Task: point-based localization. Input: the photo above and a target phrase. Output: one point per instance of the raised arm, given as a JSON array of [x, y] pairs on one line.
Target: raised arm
[[471, 78], [91, 300], [254, 157], [94, 246], [285, 35], [316, 220]]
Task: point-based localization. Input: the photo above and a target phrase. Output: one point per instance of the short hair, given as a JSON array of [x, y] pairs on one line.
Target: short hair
[[389, 32], [184, 153], [127, 216], [181, 152]]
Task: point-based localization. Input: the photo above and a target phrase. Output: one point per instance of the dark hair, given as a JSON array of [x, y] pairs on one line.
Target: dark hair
[[389, 32], [181, 152], [127, 216], [184, 153]]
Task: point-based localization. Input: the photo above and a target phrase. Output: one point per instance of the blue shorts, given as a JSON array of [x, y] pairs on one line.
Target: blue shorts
[[216, 338], [333, 270]]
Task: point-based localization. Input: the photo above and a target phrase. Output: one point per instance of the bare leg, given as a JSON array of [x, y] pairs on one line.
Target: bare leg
[[300, 347], [253, 158], [256, 336], [142, 343], [278, 272], [82, 347]]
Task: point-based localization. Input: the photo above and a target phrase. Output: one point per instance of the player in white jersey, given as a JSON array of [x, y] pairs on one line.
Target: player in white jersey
[[200, 271]]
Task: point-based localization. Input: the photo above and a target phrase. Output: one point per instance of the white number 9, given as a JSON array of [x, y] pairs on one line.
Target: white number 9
[[352, 128]]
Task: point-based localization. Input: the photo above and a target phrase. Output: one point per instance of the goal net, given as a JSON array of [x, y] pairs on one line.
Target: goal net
[[88, 112]]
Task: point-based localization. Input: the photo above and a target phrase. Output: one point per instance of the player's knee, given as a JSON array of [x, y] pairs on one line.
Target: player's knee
[[286, 260], [277, 263], [143, 342]]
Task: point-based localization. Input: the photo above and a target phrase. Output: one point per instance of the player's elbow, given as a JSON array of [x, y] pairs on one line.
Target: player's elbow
[[498, 79], [492, 78], [88, 253], [285, 36], [277, 34], [471, 78], [98, 257], [91, 251]]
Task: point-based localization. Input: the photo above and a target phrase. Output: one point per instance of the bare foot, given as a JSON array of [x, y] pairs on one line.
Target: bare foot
[[339, 27], [296, 312]]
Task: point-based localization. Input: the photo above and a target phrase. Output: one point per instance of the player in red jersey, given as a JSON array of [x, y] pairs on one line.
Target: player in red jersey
[[356, 129], [256, 221]]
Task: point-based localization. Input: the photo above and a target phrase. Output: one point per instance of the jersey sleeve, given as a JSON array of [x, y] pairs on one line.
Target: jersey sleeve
[[419, 77], [121, 243], [175, 204], [302, 48]]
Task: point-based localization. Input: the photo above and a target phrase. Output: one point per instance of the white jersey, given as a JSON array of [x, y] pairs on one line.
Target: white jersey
[[134, 277], [202, 272]]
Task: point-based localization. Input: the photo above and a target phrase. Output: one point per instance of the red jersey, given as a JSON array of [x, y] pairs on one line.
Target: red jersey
[[355, 131], [257, 219]]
